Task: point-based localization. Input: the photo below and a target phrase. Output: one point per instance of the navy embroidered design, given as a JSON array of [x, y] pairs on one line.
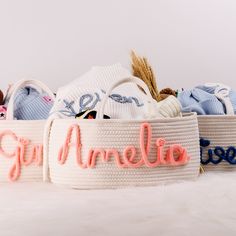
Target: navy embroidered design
[[218, 154]]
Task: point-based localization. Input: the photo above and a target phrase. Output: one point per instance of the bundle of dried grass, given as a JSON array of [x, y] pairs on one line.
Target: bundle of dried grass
[[142, 69]]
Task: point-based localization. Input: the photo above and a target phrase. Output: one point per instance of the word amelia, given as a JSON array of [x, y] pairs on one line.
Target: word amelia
[[19, 154], [176, 154]]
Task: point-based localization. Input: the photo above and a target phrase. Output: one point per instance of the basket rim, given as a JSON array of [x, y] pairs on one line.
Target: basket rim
[[22, 121], [216, 116], [185, 117]]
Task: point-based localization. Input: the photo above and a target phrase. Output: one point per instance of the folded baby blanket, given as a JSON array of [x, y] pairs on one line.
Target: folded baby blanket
[[209, 99], [28, 100], [127, 101]]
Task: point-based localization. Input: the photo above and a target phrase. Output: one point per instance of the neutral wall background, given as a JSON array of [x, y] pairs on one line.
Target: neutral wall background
[[188, 42]]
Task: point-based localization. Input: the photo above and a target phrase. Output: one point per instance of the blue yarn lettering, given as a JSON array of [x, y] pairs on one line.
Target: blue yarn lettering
[[124, 99], [218, 154], [89, 101], [86, 102]]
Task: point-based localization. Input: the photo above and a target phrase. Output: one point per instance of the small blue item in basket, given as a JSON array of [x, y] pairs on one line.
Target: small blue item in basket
[[30, 104]]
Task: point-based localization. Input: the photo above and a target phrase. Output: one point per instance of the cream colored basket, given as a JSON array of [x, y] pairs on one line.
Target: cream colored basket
[[71, 143], [218, 142], [21, 142]]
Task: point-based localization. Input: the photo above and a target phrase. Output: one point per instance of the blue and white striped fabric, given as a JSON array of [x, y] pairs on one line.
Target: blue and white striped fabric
[[203, 101], [30, 104]]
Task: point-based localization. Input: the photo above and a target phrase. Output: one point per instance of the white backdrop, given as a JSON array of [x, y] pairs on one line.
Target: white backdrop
[[188, 42]]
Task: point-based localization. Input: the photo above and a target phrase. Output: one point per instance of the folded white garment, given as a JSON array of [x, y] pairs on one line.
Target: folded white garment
[[126, 101]]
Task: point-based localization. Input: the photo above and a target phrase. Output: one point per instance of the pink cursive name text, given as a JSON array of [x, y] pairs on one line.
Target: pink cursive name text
[[176, 155], [19, 154]]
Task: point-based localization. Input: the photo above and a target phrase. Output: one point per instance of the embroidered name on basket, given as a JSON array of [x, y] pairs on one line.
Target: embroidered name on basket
[[19, 154], [175, 155], [217, 154]]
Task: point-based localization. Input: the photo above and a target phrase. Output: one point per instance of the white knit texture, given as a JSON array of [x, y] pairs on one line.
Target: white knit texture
[[31, 130], [220, 131], [118, 134], [128, 102]]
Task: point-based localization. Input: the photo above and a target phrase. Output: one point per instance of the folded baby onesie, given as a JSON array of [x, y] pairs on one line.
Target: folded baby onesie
[[127, 101]]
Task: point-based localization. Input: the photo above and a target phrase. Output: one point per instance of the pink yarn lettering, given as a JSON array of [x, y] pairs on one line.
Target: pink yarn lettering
[[176, 154], [19, 154]]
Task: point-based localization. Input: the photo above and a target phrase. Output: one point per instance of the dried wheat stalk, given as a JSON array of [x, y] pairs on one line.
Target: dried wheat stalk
[[142, 69]]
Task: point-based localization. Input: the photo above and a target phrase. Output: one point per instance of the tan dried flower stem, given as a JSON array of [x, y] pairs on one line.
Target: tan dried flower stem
[[143, 70]]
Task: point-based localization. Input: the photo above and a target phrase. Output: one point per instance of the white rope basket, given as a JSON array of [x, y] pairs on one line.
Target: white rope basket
[[219, 136], [21, 142], [61, 166]]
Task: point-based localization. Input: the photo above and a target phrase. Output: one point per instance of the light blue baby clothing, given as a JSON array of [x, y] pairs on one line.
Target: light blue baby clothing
[[203, 101], [30, 104], [232, 94]]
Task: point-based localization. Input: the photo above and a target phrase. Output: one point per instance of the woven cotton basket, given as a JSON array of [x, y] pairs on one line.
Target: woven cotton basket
[[116, 135], [21, 143], [218, 140], [13, 135]]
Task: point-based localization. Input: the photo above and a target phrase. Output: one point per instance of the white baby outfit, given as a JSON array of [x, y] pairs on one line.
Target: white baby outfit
[[125, 102]]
